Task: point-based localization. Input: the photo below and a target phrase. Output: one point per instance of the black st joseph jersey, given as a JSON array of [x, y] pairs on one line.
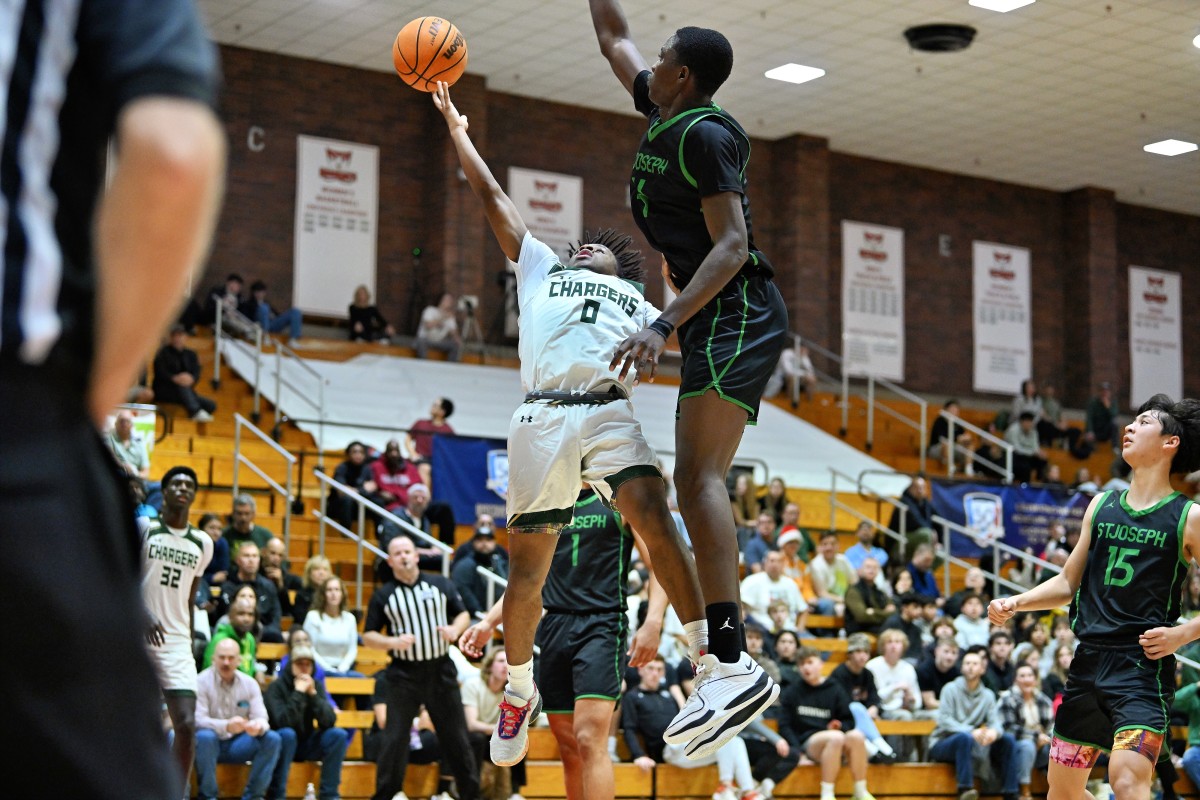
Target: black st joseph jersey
[[590, 563], [1135, 571], [698, 153]]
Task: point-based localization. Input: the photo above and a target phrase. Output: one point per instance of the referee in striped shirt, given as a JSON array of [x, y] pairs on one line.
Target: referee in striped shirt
[[420, 615], [89, 278]]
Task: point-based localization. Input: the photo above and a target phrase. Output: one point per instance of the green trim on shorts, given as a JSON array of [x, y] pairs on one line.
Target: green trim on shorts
[[750, 411], [741, 332], [1162, 701], [629, 473], [557, 711], [551, 517], [1081, 743], [1140, 728], [179, 692], [714, 378], [595, 697]]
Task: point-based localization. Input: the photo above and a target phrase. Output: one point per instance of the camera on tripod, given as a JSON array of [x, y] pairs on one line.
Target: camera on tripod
[[467, 304]]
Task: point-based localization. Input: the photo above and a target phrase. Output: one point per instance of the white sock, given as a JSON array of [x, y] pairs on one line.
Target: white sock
[[520, 679], [882, 746], [697, 635], [860, 789], [826, 791], [766, 787], [612, 747], [871, 748]]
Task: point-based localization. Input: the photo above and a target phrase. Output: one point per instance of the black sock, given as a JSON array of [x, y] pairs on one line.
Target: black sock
[[724, 631]]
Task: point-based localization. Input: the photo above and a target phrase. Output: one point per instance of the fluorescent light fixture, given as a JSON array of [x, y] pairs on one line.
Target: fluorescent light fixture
[[1003, 6], [1170, 147], [794, 73]]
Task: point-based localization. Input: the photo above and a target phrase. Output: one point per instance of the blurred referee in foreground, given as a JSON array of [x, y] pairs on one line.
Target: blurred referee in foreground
[[88, 282]]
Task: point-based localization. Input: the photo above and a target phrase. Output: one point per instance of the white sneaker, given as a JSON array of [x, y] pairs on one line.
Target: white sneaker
[[725, 792], [726, 698], [510, 740], [202, 416]]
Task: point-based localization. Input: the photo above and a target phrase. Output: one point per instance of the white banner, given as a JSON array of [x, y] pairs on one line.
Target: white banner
[[873, 300], [1002, 313], [337, 216], [1155, 335], [551, 205]]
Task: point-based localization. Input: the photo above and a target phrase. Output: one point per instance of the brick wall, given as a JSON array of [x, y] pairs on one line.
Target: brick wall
[[1081, 242]]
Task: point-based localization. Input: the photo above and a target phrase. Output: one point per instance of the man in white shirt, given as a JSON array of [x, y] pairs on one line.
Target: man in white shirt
[[438, 329], [760, 589], [831, 576]]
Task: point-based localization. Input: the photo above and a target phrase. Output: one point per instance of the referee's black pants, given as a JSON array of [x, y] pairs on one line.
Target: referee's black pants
[[80, 692], [435, 684]]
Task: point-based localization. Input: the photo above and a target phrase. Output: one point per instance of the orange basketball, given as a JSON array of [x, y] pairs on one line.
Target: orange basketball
[[428, 50]]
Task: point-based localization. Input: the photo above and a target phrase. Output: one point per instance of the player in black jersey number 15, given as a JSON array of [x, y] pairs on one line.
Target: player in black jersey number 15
[[1123, 580]]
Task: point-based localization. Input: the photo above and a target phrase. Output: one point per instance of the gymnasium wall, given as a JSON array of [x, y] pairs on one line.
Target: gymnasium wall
[[1081, 241]]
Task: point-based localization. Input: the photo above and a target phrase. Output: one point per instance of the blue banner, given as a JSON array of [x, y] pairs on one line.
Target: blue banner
[[472, 476], [1019, 516]]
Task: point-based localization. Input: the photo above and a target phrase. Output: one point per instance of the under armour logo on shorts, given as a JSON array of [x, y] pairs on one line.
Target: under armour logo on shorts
[[526, 419]]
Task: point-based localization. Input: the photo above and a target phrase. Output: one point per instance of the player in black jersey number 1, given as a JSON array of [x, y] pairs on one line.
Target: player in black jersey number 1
[[1123, 580]]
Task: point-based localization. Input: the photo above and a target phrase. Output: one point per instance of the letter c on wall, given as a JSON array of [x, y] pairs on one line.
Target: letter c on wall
[[256, 139]]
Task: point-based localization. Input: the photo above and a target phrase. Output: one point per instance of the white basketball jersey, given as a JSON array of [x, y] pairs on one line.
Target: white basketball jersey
[[572, 320], [171, 562]]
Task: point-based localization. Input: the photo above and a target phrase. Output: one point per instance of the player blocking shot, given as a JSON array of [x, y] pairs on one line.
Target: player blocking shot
[[1123, 581], [577, 426]]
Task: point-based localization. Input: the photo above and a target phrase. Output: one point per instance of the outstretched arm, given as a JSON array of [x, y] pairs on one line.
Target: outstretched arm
[[501, 212], [612, 31]]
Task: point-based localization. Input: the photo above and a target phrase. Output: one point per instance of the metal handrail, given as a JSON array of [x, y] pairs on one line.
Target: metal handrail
[[975, 457], [319, 404], [835, 505], [358, 540], [239, 459], [997, 547], [493, 581]]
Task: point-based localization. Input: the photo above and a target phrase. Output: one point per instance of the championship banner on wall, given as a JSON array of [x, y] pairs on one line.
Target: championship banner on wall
[[337, 211], [472, 476], [551, 206], [873, 300], [1155, 335], [1003, 316], [1019, 516]]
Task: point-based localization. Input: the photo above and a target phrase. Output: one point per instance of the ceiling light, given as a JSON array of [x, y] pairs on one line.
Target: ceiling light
[[1170, 147], [794, 73], [1003, 6], [1196, 41]]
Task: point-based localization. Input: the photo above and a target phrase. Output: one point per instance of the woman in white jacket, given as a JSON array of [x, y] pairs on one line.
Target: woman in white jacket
[[334, 630]]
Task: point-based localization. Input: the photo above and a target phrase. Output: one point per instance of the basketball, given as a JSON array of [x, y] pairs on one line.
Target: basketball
[[428, 50]]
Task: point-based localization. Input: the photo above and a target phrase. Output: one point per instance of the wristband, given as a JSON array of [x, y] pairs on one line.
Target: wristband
[[662, 328]]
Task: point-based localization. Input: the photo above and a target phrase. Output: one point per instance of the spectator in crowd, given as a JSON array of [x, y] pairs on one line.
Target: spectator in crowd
[[270, 613], [1028, 458], [1187, 702], [795, 374], [990, 457], [334, 631], [316, 571], [354, 472], [867, 606], [790, 541], [780, 614], [760, 589], [937, 670], [274, 568], [243, 528], [176, 373], [438, 329], [366, 323], [974, 583], [831, 576], [271, 320], [921, 570], [227, 294], [232, 725], [744, 501], [1100, 421], [760, 544], [393, 475], [1028, 401], [816, 720], [787, 643], [1051, 429], [999, 672], [300, 712], [772, 759], [473, 587], [866, 547], [239, 625], [859, 683], [902, 584], [420, 671], [218, 569], [1056, 677], [791, 520], [1084, 482], [970, 725], [481, 698], [914, 513], [128, 446], [905, 621], [756, 637], [1028, 717], [971, 625], [940, 446], [895, 678], [775, 500], [421, 433]]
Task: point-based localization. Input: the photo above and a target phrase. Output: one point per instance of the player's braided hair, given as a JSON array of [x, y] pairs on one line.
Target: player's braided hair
[[1180, 419], [629, 261]]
